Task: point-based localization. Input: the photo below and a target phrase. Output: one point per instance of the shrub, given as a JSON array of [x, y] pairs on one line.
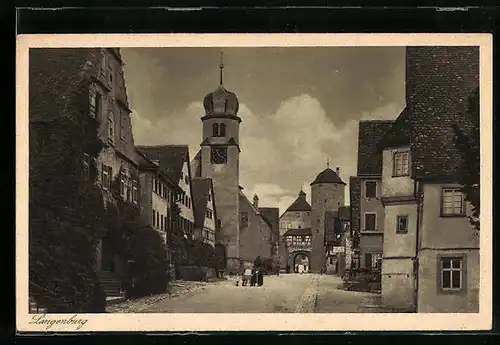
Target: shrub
[[138, 243]]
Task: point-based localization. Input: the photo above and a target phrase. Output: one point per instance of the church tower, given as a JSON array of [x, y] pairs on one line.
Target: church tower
[[219, 160], [327, 194]]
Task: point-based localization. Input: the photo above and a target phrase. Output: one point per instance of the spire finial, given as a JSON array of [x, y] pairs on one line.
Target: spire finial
[[328, 162], [221, 66]]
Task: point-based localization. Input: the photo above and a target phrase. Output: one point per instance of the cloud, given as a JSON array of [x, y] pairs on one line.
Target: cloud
[[281, 152], [182, 127]]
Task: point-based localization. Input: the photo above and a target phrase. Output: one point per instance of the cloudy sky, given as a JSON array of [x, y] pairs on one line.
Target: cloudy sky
[[299, 106]]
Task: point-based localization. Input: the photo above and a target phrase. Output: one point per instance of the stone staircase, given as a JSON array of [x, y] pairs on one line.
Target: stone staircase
[[110, 283]]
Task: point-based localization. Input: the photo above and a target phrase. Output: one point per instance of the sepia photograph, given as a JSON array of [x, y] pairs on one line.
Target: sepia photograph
[[237, 179]]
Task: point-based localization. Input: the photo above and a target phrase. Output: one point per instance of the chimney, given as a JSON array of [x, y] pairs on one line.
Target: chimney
[[256, 201], [338, 171]]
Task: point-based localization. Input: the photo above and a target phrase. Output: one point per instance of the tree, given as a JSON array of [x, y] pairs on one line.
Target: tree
[[467, 142], [66, 209], [138, 244]]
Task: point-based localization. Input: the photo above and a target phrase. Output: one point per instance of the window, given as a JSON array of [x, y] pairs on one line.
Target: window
[[134, 192], [106, 177], [371, 189], [123, 122], [452, 202], [297, 214], [123, 182], [452, 273], [244, 219], [154, 217], [161, 222], [103, 64], [401, 224], [222, 130], [157, 219], [165, 192], [370, 221], [368, 260], [209, 197], [92, 99], [111, 126], [86, 166], [401, 163], [215, 130], [110, 71], [219, 155]]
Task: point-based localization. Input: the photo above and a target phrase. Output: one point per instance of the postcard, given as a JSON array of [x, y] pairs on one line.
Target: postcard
[[249, 182]]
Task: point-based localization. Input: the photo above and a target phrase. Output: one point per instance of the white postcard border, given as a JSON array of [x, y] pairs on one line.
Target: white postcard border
[[251, 322]]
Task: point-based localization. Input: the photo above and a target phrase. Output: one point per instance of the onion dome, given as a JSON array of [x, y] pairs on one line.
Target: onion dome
[[221, 101]]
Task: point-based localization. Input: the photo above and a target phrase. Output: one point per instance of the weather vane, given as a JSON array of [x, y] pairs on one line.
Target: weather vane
[[221, 66], [328, 162]]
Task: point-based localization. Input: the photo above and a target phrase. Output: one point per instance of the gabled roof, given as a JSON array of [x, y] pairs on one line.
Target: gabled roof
[[201, 188], [328, 176], [211, 141], [171, 158], [271, 215], [145, 164], [369, 156], [399, 132], [300, 204], [298, 232], [196, 165]]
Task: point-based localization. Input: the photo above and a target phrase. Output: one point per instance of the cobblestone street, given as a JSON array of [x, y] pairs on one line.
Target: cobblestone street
[[287, 293]]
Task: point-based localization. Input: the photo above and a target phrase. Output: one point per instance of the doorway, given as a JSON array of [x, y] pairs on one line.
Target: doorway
[[301, 263]]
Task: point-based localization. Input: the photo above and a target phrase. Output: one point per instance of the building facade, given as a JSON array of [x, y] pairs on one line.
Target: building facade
[[431, 252], [64, 84], [157, 197], [296, 216], [298, 243], [255, 232], [271, 215], [117, 163], [173, 161], [366, 193], [327, 194], [338, 241], [205, 212]]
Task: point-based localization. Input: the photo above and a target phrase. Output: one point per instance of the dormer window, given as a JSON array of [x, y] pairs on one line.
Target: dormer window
[[215, 130], [401, 164]]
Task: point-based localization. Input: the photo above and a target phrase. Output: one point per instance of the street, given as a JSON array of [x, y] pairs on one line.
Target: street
[[287, 293]]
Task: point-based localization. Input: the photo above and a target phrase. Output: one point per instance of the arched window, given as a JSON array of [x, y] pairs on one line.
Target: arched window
[[222, 131], [215, 130]]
